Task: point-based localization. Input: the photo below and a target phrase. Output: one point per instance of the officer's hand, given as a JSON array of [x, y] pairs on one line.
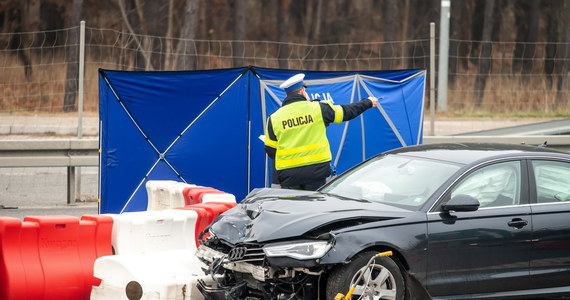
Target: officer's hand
[[374, 101]]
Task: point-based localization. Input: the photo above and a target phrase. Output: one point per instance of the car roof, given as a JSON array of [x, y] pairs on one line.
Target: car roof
[[466, 153]]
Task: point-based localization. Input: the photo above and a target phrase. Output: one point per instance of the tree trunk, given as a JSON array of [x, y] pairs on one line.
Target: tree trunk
[[187, 47], [478, 18], [145, 61], [30, 14], [30, 19], [533, 18], [406, 22], [457, 15], [168, 64], [239, 33], [72, 59], [309, 20], [552, 9], [319, 23], [283, 33], [153, 12], [390, 12], [527, 15], [485, 60], [562, 86]]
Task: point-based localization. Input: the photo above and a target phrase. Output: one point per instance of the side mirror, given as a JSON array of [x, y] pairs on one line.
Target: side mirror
[[461, 202]]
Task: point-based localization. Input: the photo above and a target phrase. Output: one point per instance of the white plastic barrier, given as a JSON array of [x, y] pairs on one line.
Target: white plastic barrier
[[171, 275], [152, 190], [155, 258], [154, 231], [225, 197], [165, 194]]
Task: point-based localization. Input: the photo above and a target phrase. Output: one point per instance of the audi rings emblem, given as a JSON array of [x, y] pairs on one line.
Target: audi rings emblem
[[237, 253]]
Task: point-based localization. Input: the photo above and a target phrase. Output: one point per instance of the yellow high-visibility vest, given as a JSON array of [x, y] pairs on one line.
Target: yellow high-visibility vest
[[301, 135]]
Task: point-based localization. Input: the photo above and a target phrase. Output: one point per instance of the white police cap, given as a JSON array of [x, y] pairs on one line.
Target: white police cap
[[293, 83]]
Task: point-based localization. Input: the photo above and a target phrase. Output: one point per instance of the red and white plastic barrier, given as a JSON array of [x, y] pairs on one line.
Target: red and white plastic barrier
[[51, 257], [64, 257]]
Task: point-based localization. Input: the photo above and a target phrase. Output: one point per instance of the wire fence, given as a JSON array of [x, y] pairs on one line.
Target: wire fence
[[39, 69], [39, 80]]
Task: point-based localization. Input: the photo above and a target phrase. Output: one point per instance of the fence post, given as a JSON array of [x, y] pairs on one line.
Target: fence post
[[432, 78], [80, 94], [443, 56], [81, 79]]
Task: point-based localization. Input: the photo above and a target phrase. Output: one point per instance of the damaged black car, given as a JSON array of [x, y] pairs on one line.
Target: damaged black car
[[452, 221]]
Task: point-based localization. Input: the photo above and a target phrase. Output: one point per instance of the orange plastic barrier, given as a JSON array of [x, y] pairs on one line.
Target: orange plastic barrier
[[204, 219], [51, 257], [213, 211], [229, 205], [193, 195]]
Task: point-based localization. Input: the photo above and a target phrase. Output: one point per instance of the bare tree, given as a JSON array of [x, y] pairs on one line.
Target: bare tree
[[527, 15], [317, 32], [187, 46], [169, 28], [154, 14], [390, 13], [283, 33], [485, 60], [420, 15], [141, 44], [72, 59], [551, 9], [564, 56], [455, 45], [405, 24], [239, 33]]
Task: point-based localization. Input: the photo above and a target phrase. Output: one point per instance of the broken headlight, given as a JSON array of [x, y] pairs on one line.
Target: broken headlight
[[298, 250]]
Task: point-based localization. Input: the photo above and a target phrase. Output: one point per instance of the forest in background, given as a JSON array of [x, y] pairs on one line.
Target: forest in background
[[307, 21], [537, 28]]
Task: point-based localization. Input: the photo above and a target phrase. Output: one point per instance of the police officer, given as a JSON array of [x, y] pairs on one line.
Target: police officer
[[295, 136]]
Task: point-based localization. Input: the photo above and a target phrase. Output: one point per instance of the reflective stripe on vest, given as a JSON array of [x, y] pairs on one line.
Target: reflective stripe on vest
[[301, 135], [338, 112]]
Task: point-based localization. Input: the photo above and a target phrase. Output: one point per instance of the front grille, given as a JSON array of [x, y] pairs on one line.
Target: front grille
[[247, 253]]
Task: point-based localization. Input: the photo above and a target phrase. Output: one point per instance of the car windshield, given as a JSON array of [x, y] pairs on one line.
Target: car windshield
[[393, 179]]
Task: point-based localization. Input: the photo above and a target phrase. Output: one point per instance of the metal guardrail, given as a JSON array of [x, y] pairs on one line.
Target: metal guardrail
[[72, 153], [49, 153]]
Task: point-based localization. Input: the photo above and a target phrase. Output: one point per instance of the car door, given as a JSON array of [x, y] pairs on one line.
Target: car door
[[550, 198], [486, 250]]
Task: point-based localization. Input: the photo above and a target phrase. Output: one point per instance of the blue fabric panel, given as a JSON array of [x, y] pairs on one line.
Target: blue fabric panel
[[126, 156], [402, 102], [351, 153], [213, 152], [413, 91], [159, 101], [257, 153]]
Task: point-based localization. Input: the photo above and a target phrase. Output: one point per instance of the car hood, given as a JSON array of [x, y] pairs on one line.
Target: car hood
[[275, 214]]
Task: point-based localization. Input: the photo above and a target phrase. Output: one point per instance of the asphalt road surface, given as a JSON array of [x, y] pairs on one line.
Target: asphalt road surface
[[43, 191]]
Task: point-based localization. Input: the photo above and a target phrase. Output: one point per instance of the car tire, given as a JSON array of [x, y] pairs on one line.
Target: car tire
[[390, 286]]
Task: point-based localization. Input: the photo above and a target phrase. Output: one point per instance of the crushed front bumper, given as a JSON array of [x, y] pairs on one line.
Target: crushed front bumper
[[210, 255], [238, 291]]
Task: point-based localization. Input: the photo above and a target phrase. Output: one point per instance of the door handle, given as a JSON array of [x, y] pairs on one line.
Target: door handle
[[518, 223]]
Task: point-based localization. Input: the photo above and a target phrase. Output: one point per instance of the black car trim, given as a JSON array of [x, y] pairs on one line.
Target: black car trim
[[487, 208]]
